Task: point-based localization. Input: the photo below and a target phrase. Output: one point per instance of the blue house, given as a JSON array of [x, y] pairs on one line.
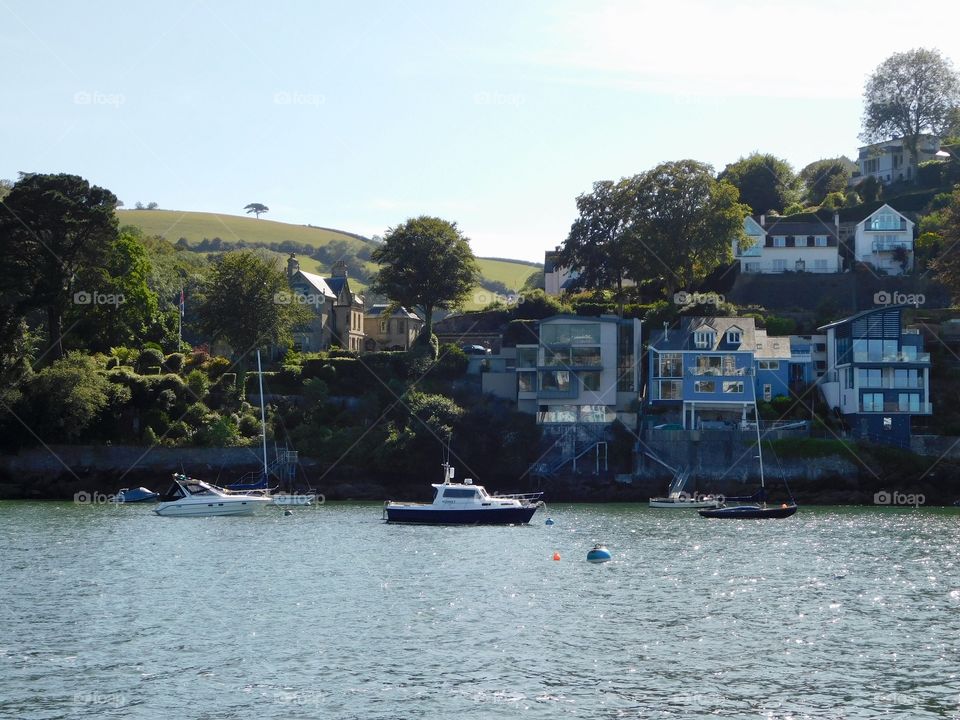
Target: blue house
[[878, 376], [713, 369]]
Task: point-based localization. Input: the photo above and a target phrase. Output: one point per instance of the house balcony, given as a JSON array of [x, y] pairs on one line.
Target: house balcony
[[924, 408], [885, 227], [718, 372], [891, 384], [900, 357], [886, 246]]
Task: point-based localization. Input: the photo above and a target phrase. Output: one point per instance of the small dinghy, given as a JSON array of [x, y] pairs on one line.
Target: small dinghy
[[136, 495]]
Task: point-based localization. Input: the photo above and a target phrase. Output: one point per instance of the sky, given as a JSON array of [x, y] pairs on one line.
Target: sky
[[496, 115]]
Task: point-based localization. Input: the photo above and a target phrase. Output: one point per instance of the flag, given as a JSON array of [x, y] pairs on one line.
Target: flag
[[181, 302]]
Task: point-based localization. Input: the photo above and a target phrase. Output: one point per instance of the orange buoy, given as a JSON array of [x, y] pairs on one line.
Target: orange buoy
[[556, 556]]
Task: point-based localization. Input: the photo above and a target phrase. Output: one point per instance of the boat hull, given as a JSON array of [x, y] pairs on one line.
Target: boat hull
[[426, 515], [668, 504], [749, 512], [136, 495], [214, 509]]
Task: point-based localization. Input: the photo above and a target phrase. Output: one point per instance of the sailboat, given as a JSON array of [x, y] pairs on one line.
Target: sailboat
[[756, 507], [262, 485]]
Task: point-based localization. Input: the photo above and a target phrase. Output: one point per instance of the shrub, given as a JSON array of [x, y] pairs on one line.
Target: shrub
[[198, 384], [197, 358], [217, 366], [780, 325], [125, 355], [149, 358], [173, 363], [113, 362]]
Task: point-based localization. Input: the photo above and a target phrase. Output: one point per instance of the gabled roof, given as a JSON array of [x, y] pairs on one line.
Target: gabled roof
[[885, 206], [318, 284], [777, 225], [336, 284], [682, 337], [861, 314], [379, 310]]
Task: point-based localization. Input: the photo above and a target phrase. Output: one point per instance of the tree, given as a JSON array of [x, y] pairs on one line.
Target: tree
[[246, 302], [600, 245], [256, 208], [684, 223], [425, 262], [52, 229], [910, 93], [766, 183], [822, 177]]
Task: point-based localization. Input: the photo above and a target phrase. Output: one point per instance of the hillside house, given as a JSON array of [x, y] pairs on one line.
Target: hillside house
[[890, 161], [337, 311], [390, 331], [783, 244], [884, 238]]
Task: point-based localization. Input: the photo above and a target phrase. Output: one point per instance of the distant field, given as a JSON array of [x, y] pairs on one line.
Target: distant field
[[195, 226]]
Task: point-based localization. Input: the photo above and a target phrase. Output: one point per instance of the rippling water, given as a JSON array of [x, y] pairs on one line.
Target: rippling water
[[835, 613]]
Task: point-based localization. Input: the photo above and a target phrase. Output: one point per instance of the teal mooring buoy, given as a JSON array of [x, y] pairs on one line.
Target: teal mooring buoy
[[549, 521], [599, 554]]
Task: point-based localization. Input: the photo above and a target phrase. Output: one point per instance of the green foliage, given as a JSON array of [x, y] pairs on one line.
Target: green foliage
[[766, 183], [834, 201], [947, 266], [62, 401], [243, 303], [794, 209], [537, 305], [173, 362], [149, 358], [425, 262], [822, 177], [198, 384], [870, 189], [778, 326], [217, 366]]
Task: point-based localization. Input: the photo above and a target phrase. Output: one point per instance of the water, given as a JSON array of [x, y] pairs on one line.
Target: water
[[835, 613]]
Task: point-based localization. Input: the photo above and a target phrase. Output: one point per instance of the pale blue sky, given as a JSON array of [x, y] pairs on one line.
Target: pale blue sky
[[494, 114]]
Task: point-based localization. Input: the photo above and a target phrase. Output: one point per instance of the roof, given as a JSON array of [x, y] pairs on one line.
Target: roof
[[378, 310], [336, 284], [861, 314], [777, 225], [682, 337], [318, 283]]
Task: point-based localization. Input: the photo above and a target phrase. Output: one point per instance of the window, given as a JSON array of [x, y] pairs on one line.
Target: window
[[555, 381], [801, 242], [383, 326], [670, 389], [585, 356], [557, 414], [570, 334], [767, 392], [709, 364], [873, 402], [769, 364], [733, 337], [908, 402], [459, 492], [526, 382], [590, 380], [733, 387], [671, 365], [705, 386], [821, 241], [526, 357], [906, 379], [626, 362], [779, 265], [556, 356], [869, 377], [703, 338], [885, 221], [779, 242]]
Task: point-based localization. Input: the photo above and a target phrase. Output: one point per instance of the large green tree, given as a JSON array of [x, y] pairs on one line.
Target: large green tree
[[601, 245], [946, 267], [52, 229], [910, 93], [766, 183], [426, 263], [822, 177], [684, 223], [247, 303]]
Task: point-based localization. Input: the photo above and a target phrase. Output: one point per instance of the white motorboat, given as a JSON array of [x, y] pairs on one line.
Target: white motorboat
[[189, 497], [679, 499]]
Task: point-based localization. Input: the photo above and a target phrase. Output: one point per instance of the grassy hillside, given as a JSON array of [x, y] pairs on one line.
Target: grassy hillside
[[195, 226]]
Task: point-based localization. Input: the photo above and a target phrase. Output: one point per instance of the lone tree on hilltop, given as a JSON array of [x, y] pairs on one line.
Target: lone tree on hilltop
[[257, 209], [427, 263], [908, 94]]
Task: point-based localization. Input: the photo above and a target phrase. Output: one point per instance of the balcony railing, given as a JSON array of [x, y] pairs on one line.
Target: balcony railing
[[925, 408], [887, 246], [866, 357], [885, 227], [892, 384], [721, 372]]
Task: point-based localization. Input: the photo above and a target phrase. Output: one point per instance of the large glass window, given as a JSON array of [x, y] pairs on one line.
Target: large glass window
[[705, 386], [733, 387], [526, 382], [596, 414], [671, 365], [590, 380], [585, 356], [908, 402], [570, 333], [769, 364], [553, 357], [626, 370], [886, 221], [906, 378], [873, 402], [671, 389], [557, 414], [526, 357], [709, 364], [555, 380], [703, 338], [869, 377]]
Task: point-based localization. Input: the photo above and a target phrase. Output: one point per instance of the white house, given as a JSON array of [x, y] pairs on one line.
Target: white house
[[889, 161], [879, 235], [789, 244]]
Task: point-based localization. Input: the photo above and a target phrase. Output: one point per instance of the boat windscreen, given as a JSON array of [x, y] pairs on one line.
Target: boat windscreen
[[174, 492]]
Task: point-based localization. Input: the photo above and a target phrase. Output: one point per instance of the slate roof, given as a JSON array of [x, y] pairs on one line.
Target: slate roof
[[776, 225], [752, 339], [378, 309], [318, 283]]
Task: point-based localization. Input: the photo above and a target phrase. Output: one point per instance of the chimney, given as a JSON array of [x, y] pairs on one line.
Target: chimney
[[836, 221], [763, 220], [293, 266], [339, 269], [666, 330]]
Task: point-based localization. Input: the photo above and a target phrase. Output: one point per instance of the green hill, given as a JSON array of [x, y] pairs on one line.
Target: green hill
[[195, 226]]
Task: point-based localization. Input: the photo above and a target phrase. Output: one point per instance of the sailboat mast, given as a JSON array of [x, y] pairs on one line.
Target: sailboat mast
[[263, 417]]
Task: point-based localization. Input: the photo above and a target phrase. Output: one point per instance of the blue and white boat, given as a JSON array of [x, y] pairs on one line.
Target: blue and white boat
[[464, 504], [136, 495]]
